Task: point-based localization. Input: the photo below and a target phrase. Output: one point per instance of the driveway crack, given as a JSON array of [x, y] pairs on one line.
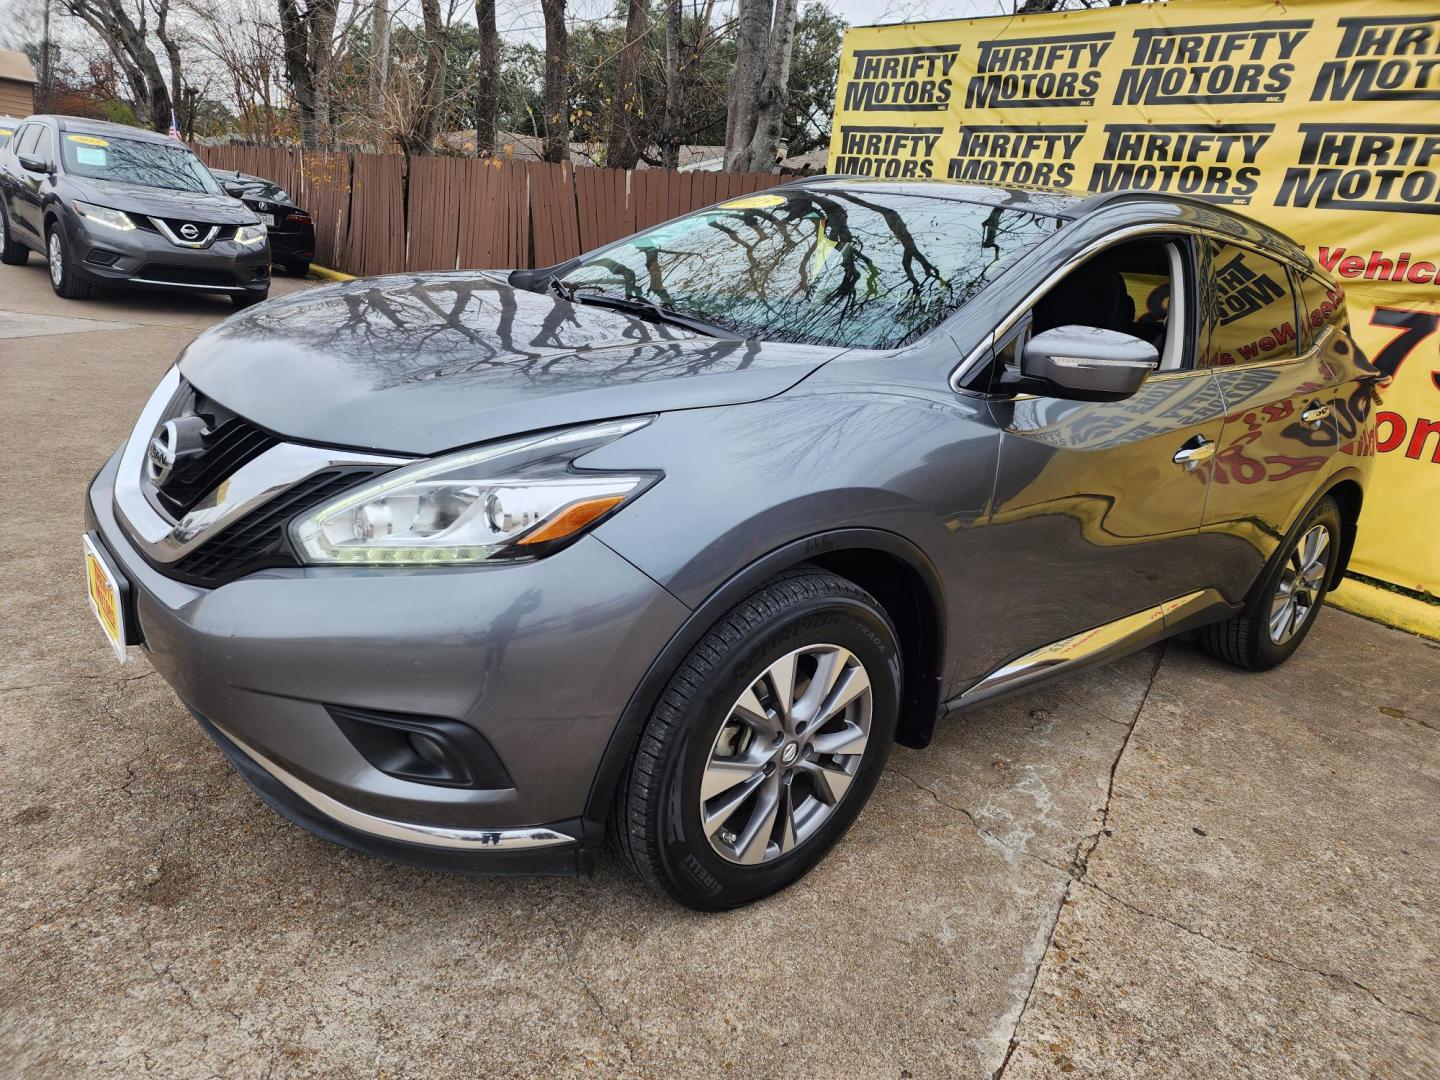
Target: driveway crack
[[589, 991], [1079, 867]]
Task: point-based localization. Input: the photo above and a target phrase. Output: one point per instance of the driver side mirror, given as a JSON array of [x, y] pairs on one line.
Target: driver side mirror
[[31, 163], [234, 190], [1087, 363]]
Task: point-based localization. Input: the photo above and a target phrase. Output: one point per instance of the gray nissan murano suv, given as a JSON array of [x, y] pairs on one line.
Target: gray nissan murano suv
[[672, 541]]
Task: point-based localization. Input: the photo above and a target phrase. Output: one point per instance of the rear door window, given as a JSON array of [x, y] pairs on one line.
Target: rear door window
[[1249, 306]]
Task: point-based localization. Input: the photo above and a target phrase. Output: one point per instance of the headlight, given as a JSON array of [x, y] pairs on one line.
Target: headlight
[[519, 499], [250, 235], [103, 215]]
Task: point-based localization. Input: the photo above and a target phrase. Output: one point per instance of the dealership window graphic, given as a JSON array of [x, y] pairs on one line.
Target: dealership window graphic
[[1320, 119]]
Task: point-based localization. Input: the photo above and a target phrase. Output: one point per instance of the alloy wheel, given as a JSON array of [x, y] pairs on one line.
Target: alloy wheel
[[1301, 581], [57, 268], [786, 754]]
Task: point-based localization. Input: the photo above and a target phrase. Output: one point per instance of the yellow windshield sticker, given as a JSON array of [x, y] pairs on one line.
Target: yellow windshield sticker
[[7, 131], [753, 202], [87, 140]]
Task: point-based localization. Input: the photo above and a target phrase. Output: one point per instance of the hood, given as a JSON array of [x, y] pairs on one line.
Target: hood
[[162, 202], [421, 363]]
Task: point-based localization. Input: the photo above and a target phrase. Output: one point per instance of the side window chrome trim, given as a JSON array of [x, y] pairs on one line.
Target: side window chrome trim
[[982, 352], [1285, 361]]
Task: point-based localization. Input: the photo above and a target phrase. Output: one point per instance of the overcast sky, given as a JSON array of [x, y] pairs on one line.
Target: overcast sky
[[521, 18], [867, 12]]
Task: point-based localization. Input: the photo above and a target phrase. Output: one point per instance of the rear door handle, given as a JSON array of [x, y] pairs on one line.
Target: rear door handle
[[1194, 452], [1315, 414]]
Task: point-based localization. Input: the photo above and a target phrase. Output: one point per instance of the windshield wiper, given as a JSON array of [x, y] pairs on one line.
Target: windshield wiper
[[636, 305]]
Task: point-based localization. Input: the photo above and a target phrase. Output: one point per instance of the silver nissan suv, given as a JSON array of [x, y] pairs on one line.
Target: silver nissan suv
[[672, 542]]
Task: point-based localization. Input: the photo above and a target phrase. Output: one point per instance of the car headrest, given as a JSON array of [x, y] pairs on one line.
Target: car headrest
[[1093, 296]]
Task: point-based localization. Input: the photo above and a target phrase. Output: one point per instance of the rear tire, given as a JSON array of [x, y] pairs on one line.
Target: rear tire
[[62, 278], [724, 804], [12, 252], [1284, 603]]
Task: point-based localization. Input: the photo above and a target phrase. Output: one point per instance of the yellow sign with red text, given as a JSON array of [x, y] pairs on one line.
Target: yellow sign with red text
[[1315, 119]]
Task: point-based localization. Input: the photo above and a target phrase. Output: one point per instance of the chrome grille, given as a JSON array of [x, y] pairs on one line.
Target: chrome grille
[[226, 443]]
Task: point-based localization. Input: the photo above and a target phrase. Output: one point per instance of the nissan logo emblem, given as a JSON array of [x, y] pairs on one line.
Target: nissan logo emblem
[[160, 456], [190, 232]]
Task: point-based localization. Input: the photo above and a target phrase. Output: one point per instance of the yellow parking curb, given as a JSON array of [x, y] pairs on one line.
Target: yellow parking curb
[[330, 275], [1382, 605]]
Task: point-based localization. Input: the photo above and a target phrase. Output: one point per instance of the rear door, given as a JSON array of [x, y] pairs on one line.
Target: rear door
[[25, 204], [1278, 382], [12, 179], [1094, 519]]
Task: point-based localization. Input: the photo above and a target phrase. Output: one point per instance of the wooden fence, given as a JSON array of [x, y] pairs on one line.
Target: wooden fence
[[378, 214]]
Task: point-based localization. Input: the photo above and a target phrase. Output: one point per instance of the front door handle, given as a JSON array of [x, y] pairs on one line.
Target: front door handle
[[1315, 414], [1194, 452]]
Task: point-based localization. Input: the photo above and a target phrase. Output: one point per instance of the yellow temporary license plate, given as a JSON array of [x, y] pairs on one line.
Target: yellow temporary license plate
[[105, 599]]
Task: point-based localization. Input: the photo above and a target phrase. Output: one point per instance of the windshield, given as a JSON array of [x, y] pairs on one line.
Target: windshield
[[130, 161], [825, 267], [5, 132]]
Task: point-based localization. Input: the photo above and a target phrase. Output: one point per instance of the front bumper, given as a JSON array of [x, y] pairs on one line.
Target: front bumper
[[539, 658], [146, 260]]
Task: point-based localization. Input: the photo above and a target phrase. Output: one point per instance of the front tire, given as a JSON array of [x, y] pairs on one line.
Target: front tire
[[298, 269], [1282, 608], [248, 299], [62, 278], [764, 746], [12, 252]]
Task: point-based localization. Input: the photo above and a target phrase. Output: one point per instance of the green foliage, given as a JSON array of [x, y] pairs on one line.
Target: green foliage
[[814, 72]]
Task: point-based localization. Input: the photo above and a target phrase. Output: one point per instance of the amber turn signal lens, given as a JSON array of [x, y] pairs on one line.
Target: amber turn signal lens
[[572, 519]]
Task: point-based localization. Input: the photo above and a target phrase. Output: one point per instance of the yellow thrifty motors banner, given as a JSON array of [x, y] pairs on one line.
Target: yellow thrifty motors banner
[[1320, 119]]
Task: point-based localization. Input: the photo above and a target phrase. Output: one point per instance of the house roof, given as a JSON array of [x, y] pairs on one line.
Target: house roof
[[16, 66]]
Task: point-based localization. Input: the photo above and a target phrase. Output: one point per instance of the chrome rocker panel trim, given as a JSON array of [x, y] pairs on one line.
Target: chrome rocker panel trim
[[1098, 644], [254, 484], [405, 832]]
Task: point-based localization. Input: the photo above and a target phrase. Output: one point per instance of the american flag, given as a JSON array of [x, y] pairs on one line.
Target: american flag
[[174, 127]]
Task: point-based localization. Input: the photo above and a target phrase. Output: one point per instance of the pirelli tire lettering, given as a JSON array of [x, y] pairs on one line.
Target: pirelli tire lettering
[[1322, 119]]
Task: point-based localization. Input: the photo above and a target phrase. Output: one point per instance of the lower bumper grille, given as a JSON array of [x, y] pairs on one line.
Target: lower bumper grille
[[187, 275]]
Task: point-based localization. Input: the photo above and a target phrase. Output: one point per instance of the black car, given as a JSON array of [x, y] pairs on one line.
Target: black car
[[107, 204], [292, 232]]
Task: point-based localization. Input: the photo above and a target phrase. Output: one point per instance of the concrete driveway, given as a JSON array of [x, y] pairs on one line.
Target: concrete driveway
[[1163, 868]]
